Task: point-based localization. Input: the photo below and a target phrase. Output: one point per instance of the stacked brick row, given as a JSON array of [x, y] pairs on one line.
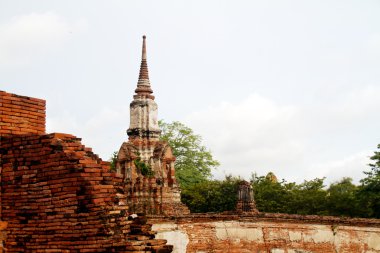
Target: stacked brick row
[[57, 196], [142, 237], [21, 115]]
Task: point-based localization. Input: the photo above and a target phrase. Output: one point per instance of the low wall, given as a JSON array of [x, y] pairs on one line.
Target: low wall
[[274, 233]]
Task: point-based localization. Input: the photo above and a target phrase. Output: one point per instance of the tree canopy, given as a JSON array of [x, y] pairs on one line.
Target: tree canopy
[[341, 198], [194, 161], [369, 191], [283, 197], [211, 195]]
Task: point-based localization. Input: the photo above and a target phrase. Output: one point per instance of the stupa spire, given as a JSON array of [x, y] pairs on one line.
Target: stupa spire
[[143, 84]]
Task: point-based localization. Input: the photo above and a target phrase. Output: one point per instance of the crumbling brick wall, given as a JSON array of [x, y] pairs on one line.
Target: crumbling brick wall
[[56, 194], [21, 114], [18, 115]]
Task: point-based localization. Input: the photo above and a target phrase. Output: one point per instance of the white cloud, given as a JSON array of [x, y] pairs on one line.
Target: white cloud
[[294, 142], [25, 37], [254, 135], [350, 166]]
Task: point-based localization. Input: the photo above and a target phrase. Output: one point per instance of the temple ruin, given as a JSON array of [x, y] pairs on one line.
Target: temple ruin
[[245, 199], [146, 162], [57, 195]]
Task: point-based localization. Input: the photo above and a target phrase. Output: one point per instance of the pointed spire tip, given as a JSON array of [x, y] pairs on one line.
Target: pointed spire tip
[[143, 84]]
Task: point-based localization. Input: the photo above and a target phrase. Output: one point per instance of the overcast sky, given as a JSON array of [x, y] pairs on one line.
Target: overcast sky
[[291, 87]]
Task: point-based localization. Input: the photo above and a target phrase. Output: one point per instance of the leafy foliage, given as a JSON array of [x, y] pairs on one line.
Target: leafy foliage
[[373, 176], [270, 195], [113, 161], [283, 197], [309, 197], [194, 161], [145, 169], [211, 196], [342, 198], [369, 191]]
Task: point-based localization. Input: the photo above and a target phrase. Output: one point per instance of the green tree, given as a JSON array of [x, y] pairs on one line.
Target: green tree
[[369, 190], [113, 160], [309, 198], [283, 197], [194, 161], [373, 176], [342, 198], [270, 195], [211, 195]]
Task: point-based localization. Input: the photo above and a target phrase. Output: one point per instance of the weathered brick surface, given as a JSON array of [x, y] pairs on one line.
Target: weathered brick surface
[[21, 114], [266, 232], [3, 226], [60, 197]]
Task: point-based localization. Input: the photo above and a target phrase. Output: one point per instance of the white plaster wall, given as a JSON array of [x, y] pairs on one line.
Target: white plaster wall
[[227, 230], [179, 239], [319, 234], [374, 241], [259, 232]]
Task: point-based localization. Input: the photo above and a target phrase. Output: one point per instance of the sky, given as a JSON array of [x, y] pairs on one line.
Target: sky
[[291, 87]]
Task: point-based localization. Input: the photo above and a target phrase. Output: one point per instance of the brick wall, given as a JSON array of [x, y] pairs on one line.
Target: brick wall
[[269, 233], [57, 196], [3, 232], [21, 114]]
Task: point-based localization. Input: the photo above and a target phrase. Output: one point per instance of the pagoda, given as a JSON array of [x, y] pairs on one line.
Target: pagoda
[[145, 161]]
